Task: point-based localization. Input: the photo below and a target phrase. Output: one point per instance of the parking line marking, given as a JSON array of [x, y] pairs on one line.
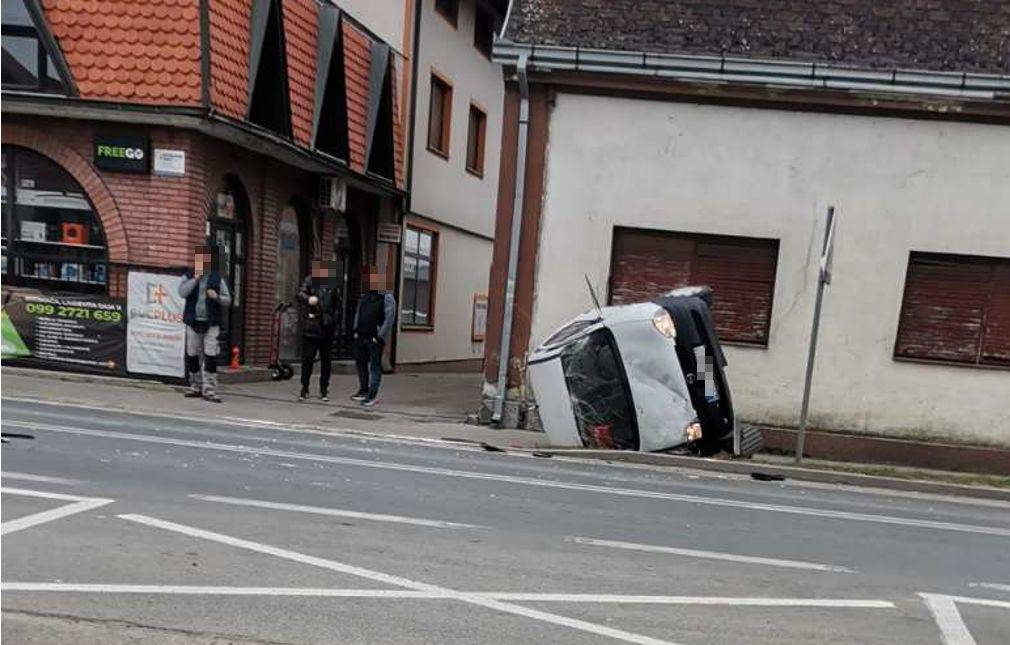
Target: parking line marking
[[37, 478], [78, 505], [406, 594], [378, 576], [711, 555], [336, 512], [594, 488], [990, 585]]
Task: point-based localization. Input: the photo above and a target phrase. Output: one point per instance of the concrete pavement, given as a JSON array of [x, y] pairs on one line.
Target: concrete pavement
[[223, 532]]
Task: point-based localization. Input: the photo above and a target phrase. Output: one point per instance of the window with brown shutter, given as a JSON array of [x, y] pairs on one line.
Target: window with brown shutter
[[475, 141], [956, 308], [439, 116], [741, 271]]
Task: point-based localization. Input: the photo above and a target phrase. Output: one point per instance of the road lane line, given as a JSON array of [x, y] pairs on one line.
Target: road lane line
[[625, 492], [37, 478], [336, 512], [191, 590], [834, 603], [710, 555], [78, 505], [378, 576], [990, 585]]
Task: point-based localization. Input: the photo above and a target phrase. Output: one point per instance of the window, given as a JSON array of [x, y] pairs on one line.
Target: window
[[439, 116], [740, 270], [419, 252], [331, 115], [52, 238], [449, 10], [379, 141], [475, 141], [956, 308], [268, 75], [483, 31], [27, 65]]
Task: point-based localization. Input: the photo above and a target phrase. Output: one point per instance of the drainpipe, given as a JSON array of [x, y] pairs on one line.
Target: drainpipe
[[504, 350]]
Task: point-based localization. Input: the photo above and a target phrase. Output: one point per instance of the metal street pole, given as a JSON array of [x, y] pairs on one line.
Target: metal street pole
[[823, 279]]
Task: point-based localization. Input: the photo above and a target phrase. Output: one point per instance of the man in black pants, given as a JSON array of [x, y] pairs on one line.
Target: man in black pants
[[321, 301], [373, 323]]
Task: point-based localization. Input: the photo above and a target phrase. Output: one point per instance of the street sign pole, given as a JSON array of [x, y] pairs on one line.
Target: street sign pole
[[823, 279]]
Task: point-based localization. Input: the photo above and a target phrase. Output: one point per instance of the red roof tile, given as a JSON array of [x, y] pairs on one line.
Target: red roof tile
[[300, 29], [229, 56], [104, 42]]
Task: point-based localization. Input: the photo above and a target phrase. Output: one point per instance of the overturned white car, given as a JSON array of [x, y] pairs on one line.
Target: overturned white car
[[647, 376]]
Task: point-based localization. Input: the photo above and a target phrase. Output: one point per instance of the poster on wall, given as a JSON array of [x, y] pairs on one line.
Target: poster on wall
[[79, 333], [478, 324], [155, 333]]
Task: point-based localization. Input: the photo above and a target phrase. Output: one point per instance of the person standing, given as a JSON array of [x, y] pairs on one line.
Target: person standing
[[321, 301], [373, 323], [206, 295]]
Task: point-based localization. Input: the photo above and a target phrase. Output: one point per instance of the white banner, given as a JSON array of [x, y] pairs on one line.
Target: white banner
[[155, 333]]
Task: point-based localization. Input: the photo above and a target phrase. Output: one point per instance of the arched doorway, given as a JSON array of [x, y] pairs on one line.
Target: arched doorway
[[347, 256], [227, 228], [52, 237], [294, 250]]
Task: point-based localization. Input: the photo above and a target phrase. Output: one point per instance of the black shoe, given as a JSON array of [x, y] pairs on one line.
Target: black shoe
[[192, 394], [213, 398], [324, 396], [360, 396], [304, 394]]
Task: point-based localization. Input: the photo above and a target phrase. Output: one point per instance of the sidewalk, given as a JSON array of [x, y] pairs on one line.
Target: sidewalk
[[434, 407]]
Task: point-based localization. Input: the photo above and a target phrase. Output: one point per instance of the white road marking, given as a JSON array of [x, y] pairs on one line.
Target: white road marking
[[625, 492], [38, 478], [184, 590], [189, 590], [398, 581], [953, 631], [336, 512], [78, 505], [835, 603], [711, 555], [990, 585]]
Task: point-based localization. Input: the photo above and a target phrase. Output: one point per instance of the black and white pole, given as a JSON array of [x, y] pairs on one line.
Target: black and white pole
[[823, 279]]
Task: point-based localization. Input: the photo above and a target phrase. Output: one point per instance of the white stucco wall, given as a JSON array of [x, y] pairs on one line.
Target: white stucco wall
[[897, 184], [383, 17], [464, 262], [442, 189]]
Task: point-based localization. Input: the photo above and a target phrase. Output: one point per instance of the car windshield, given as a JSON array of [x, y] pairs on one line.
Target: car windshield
[[599, 394]]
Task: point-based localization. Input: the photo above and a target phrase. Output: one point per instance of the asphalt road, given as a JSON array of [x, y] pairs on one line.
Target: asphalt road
[[120, 528]]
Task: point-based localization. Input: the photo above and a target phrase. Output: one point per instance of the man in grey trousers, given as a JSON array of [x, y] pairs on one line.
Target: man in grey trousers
[[207, 296]]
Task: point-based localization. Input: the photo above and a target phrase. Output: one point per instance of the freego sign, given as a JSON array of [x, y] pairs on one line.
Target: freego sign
[[122, 154]]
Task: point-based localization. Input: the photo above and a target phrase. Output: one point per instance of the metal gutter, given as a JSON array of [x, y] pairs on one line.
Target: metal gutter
[[504, 351], [726, 69]]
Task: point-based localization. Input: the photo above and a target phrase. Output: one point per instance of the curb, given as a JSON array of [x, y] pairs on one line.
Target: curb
[[78, 377], [787, 472]]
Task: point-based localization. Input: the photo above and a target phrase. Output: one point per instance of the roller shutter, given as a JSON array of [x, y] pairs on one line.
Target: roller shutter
[[740, 270]]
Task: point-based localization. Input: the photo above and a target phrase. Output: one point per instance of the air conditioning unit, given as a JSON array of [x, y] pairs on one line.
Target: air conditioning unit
[[332, 193]]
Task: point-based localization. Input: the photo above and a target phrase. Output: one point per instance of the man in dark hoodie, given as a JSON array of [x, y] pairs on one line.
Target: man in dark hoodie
[[321, 302], [373, 323], [207, 297]]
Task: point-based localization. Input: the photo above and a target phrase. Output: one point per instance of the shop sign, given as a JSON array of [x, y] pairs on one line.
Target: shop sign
[[79, 333], [155, 333], [389, 233], [122, 153], [169, 163]]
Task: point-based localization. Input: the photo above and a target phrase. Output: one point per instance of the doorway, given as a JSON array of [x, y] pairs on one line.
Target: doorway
[[347, 256], [294, 249], [227, 228]]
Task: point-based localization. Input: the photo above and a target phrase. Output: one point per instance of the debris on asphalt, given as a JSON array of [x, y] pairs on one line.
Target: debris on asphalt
[[767, 477]]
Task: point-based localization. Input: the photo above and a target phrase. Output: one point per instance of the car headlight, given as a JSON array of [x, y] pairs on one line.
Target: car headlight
[[693, 431], [664, 324]]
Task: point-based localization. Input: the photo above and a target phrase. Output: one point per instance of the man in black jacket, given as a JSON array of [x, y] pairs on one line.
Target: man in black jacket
[[321, 302], [373, 323]]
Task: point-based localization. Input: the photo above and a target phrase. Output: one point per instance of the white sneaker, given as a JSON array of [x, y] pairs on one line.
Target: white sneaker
[[370, 403]]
